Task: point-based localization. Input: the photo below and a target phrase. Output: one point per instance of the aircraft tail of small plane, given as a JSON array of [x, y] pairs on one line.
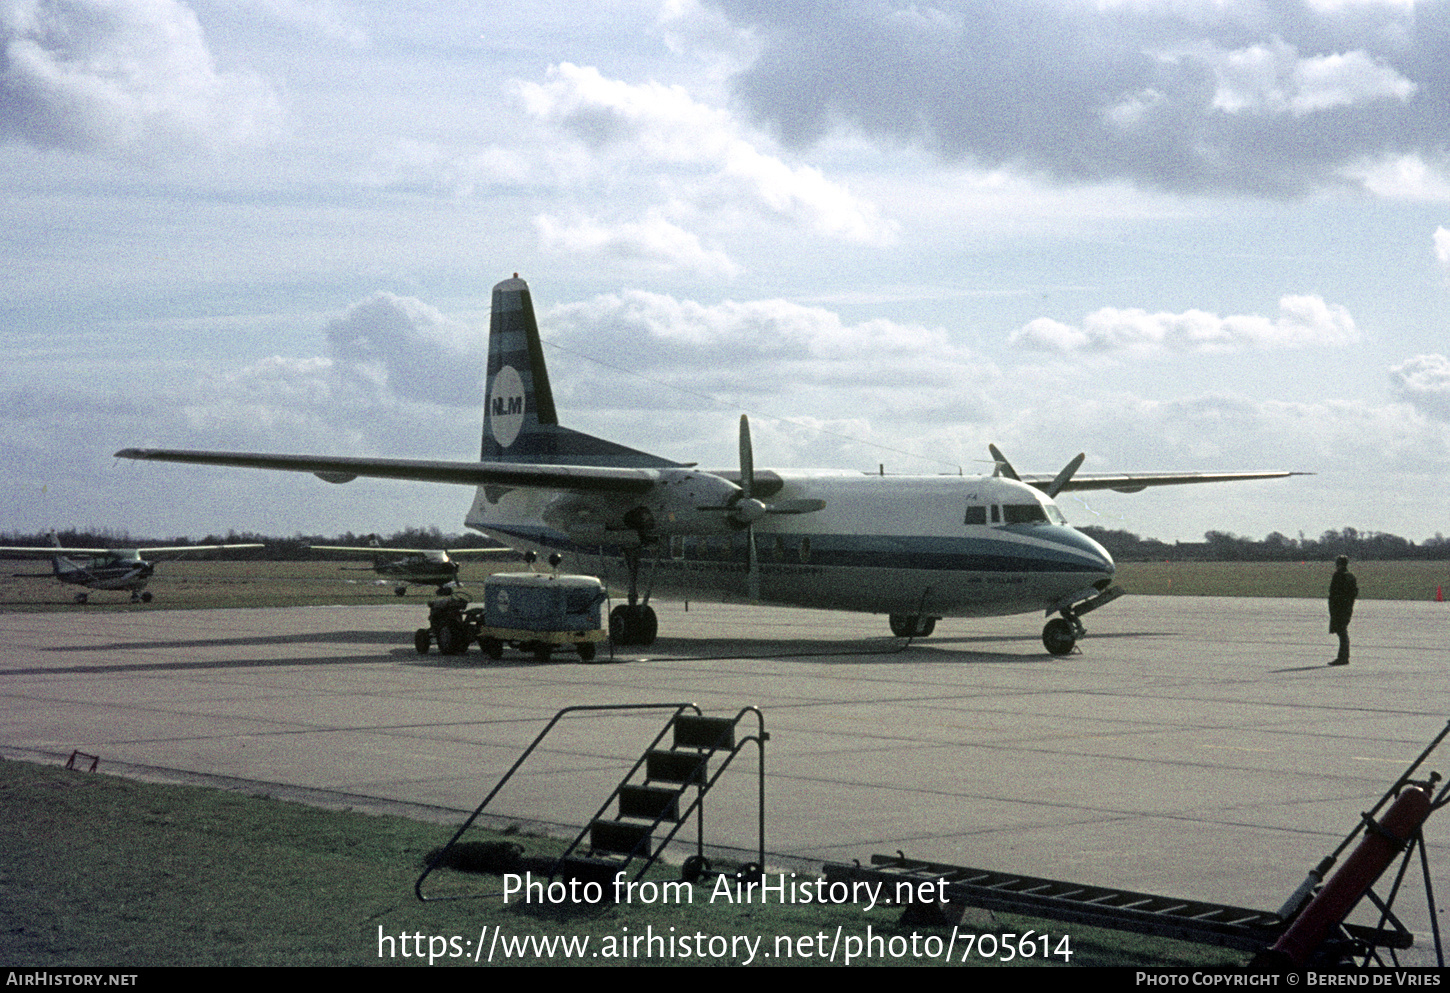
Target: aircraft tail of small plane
[[519, 421]]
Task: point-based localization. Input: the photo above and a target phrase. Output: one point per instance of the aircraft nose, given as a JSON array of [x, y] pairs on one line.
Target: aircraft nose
[[1098, 554]]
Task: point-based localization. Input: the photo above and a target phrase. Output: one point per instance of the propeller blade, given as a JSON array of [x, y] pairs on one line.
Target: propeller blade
[[747, 459], [1054, 487], [1004, 468]]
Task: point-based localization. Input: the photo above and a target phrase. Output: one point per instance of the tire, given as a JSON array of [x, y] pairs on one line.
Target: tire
[[422, 638], [146, 596], [649, 626], [1058, 636], [586, 651], [542, 652], [452, 639], [621, 626], [695, 866], [912, 625], [492, 647]]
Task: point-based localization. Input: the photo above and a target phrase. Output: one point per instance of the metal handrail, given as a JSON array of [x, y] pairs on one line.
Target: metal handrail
[[438, 858]]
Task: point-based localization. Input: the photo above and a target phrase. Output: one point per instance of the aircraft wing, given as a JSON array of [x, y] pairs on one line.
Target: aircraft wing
[[344, 469], [1139, 481], [49, 550], [385, 550], [193, 548]]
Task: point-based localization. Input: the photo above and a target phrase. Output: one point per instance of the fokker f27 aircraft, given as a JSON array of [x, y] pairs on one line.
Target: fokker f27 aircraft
[[420, 566], [107, 568], [917, 548]]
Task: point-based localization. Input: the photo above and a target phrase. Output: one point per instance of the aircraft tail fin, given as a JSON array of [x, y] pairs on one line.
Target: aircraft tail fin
[[519, 421]]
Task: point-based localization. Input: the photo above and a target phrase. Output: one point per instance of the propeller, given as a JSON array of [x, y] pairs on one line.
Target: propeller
[[1052, 489], [1055, 487], [745, 508]]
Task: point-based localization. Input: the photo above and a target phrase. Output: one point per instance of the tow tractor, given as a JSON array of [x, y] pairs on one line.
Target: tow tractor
[[533, 612]]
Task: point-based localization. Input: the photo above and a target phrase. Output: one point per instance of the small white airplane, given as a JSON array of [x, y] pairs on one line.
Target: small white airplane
[[917, 548], [419, 566], [106, 568]]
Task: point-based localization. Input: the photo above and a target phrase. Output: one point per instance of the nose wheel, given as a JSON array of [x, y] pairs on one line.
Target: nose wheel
[[1060, 634]]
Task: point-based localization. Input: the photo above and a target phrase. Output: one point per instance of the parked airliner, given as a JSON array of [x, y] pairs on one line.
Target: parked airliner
[[917, 548]]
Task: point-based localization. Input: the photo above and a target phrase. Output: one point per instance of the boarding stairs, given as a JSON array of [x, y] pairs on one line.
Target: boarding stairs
[[666, 787]]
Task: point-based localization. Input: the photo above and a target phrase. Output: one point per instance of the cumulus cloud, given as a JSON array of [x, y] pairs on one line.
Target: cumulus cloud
[[1272, 78], [1303, 322], [707, 168], [1442, 245], [408, 349], [654, 240], [132, 75], [1273, 99], [1424, 382]]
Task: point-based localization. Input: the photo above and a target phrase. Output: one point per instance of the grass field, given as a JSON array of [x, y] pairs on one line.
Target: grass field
[[101, 871], [204, 585]]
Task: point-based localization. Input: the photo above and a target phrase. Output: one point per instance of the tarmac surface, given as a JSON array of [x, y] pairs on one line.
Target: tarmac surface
[[1196, 747]]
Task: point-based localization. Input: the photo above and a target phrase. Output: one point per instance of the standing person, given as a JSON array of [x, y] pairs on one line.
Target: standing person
[[1343, 588]]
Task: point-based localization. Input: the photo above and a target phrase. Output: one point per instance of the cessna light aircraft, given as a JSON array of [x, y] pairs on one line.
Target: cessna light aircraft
[[420, 566], [917, 548], [107, 568]]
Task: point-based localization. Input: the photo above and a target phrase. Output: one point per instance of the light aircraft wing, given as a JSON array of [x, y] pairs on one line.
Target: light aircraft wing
[[1139, 481], [193, 548], [344, 469], [49, 550], [386, 550]]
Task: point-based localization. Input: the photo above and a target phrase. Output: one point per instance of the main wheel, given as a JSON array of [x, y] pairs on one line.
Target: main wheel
[[912, 625], [422, 638], [146, 596], [492, 647], [621, 625], [649, 626], [586, 651], [635, 625], [400, 590], [1058, 636]]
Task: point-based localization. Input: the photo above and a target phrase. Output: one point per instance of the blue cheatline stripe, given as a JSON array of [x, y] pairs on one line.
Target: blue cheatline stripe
[[866, 551]]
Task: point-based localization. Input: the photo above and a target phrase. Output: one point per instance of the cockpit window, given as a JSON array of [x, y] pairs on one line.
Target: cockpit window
[[976, 515], [1024, 513]]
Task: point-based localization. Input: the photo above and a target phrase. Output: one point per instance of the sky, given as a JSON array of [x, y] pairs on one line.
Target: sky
[[1172, 234]]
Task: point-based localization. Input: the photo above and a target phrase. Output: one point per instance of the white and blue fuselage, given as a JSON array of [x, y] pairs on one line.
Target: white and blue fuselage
[[943, 546]]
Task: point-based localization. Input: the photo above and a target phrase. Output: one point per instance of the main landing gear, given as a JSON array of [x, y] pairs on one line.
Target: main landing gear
[[633, 623], [912, 625]]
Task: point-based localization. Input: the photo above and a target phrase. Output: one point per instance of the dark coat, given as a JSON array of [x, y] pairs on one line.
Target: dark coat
[[1343, 589]]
